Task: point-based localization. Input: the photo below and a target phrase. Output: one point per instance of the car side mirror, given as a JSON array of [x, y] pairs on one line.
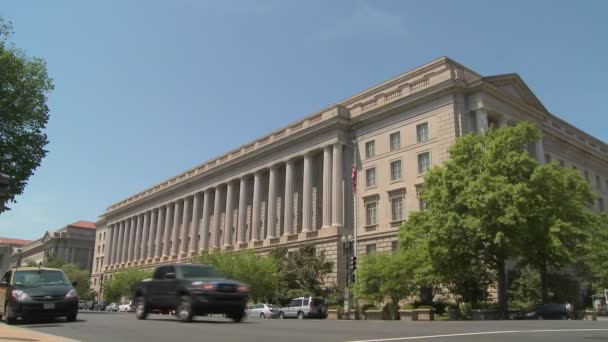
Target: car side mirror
[[74, 283], [170, 275]]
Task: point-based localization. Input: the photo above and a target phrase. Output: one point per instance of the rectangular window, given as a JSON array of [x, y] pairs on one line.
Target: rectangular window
[[422, 132], [598, 182], [421, 203], [397, 208], [547, 158], [395, 141], [586, 173], [370, 249], [370, 177], [395, 170], [424, 162], [370, 210], [370, 149], [601, 203], [562, 163], [394, 246]]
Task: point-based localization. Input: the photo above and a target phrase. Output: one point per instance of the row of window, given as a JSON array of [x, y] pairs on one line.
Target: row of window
[[598, 180], [371, 248], [397, 211], [424, 164], [422, 135]]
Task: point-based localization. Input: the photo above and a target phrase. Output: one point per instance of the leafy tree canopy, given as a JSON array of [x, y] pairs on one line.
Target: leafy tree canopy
[[121, 284], [24, 86], [259, 272]]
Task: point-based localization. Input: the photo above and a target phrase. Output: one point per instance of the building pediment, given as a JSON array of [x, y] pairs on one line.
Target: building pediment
[[513, 86]]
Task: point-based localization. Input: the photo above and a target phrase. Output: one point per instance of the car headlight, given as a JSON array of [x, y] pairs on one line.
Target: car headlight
[[20, 295], [71, 294]]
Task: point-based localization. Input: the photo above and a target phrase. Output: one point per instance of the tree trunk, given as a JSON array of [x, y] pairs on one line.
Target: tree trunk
[[502, 288], [543, 283]]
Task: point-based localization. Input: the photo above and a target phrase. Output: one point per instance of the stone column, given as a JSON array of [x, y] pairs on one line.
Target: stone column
[[255, 215], [228, 228], [217, 220], [272, 202], [194, 225], [158, 251], [539, 150], [117, 227], [167, 229], [142, 243], [176, 217], [153, 231], [107, 253], [138, 236], [481, 118], [204, 241], [242, 219], [134, 224], [327, 186], [307, 194], [337, 192], [289, 171], [121, 241], [183, 247]]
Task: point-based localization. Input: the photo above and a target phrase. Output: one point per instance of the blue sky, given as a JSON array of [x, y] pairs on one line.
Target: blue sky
[[147, 89]]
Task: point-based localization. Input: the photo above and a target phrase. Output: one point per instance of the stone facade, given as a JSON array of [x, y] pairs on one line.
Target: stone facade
[[73, 243], [294, 186], [8, 247]]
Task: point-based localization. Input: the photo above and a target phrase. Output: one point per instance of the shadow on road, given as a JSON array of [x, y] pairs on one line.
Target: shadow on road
[[170, 319]]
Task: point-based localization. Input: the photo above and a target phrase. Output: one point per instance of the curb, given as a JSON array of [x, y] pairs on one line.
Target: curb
[[8, 332]]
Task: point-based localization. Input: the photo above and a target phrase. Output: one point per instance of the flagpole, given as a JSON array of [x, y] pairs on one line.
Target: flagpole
[[354, 189]]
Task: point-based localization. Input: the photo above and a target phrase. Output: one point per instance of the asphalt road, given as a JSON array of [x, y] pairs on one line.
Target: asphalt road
[[117, 327]]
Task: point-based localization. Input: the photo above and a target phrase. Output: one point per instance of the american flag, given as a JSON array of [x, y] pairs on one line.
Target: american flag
[[354, 175]]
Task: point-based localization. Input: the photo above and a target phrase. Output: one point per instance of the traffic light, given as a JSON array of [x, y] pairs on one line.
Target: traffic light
[[353, 263]]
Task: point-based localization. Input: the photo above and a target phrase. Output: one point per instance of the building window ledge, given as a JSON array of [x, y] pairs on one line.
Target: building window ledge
[[371, 227], [397, 224]]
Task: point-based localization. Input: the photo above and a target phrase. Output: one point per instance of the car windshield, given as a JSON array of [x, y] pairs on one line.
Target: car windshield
[[40, 277], [193, 272]]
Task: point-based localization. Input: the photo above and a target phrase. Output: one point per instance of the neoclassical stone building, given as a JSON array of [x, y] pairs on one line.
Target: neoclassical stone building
[[294, 185], [73, 244]]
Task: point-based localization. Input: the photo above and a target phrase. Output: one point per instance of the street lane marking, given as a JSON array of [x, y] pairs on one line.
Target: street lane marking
[[477, 333]]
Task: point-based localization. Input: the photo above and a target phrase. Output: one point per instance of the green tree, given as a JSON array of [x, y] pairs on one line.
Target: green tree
[[258, 271], [455, 266], [24, 86], [385, 276], [82, 277], [121, 284], [477, 202], [301, 272], [595, 260], [558, 222]]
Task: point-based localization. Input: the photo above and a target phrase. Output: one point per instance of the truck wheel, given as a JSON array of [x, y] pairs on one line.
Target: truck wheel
[[184, 309], [300, 315], [262, 315], [237, 317], [281, 315], [141, 312]]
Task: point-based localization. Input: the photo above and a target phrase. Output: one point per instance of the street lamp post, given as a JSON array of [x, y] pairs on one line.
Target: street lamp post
[[347, 249]]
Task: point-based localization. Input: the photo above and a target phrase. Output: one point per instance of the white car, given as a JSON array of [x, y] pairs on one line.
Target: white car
[[112, 307], [263, 311], [125, 306]]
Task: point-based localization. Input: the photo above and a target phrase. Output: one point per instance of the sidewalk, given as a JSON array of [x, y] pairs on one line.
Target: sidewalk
[[12, 333]]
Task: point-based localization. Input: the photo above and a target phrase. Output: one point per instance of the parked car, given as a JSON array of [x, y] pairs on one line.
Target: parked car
[[551, 311], [32, 292], [304, 307], [113, 307], [100, 306], [263, 311], [190, 290], [125, 306], [82, 305]]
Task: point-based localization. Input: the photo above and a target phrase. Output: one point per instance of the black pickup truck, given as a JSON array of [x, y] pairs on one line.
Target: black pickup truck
[[190, 290]]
